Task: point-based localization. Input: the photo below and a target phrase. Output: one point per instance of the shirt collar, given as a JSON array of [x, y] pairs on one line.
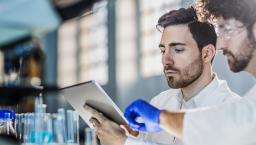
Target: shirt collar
[[203, 95], [251, 92]]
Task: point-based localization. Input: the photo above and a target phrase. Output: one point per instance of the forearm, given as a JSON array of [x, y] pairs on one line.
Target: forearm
[[172, 122]]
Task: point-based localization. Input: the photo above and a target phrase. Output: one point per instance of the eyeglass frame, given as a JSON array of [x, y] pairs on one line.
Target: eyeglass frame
[[229, 28]]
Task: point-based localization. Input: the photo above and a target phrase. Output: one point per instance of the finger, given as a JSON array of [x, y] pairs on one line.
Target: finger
[[101, 130], [100, 134], [97, 134], [100, 137], [90, 110], [131, 116], [98, 115], [129, 131], [126, 127], [95, 122], [132, 112], [142, 128], [137, 126]]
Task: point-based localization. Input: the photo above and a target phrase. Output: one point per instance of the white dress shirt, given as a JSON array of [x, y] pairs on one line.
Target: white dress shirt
[[216, 92], [231, 124]]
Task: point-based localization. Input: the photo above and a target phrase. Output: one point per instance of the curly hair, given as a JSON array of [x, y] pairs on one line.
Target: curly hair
[[242, 10]]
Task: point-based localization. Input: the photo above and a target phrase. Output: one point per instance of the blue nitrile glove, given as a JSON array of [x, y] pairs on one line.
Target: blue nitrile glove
[[10, 114], [149, 114]]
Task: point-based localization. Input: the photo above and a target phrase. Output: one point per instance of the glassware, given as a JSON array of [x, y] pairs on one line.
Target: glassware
[[58, 125], [28, 122], [72, 127], [19, 125], [44, 131], [7, 122], [90, 137], [43, 128], [63, 129]]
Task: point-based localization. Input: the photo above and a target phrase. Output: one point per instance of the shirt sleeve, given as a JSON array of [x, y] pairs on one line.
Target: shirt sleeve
[[136, 141], [228, 124]]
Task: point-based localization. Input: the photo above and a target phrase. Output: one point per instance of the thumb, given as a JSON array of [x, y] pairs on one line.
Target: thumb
[[129, 130]]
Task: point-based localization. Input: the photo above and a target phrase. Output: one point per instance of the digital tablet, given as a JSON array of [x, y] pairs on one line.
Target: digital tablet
[[92, 93]]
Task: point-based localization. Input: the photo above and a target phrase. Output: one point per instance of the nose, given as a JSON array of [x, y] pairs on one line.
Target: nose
[[222, 43], [167, 58]]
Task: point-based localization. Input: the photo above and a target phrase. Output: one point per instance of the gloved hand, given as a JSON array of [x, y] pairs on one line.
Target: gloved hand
[[149, 114]]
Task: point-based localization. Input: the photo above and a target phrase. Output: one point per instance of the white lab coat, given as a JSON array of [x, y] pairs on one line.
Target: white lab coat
[[215, 93], [231, 124]]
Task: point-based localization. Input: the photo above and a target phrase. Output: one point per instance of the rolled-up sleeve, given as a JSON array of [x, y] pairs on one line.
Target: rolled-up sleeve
[[227, 124], [132, 141], [136, 141]]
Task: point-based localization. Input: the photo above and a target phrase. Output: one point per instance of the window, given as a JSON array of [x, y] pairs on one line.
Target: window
[[137, 52], [150, 11], [67, 48], [126, 52], [83, 48], [94, 46]]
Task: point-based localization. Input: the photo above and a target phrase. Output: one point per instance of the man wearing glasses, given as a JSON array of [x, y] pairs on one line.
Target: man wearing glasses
[[229, 124]]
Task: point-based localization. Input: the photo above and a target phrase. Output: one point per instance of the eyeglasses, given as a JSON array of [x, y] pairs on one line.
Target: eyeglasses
[[229, 29]]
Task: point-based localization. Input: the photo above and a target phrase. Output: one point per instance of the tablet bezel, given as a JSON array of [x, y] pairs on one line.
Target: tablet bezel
[[110, 109]]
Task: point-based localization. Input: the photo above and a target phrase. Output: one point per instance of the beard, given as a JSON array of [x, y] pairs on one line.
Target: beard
[[238, 62], [185, 76]]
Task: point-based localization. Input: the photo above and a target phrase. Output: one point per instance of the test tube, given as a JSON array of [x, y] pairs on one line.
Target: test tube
[[72, 127], [61, 112], [76, 126], [18, 125], [90, 137], [29, 128], [58, 136]]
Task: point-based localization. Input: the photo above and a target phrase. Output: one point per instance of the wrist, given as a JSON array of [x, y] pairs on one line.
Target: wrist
[[162, 118], [172, 122]]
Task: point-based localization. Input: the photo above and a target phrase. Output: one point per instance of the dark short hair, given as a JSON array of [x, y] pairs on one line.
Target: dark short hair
[[202, 32]]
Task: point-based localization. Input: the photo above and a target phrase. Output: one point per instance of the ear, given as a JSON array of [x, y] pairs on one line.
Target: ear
[[208, 53], [254, 31]]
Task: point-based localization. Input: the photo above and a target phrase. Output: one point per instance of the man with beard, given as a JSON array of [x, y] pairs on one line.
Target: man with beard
[[188, 50], [229, 124]]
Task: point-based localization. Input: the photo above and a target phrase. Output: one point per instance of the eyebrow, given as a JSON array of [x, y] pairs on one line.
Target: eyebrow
[[172, 44], [220, 25]]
